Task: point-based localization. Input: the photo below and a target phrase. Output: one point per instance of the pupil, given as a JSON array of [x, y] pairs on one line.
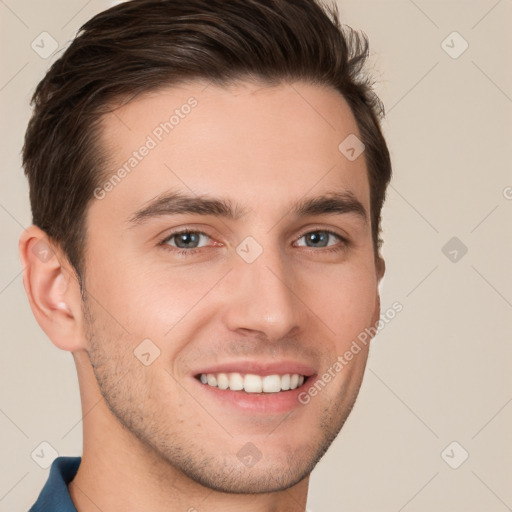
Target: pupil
[[187, 238], [316, 237]]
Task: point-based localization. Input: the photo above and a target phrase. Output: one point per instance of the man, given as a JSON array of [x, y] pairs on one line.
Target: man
[[206, 181]]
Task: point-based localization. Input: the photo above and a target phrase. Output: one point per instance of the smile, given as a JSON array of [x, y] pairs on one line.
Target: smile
[[253, 383]]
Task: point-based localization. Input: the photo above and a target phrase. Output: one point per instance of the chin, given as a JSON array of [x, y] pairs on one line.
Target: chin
[[267, 478], [248, 470]]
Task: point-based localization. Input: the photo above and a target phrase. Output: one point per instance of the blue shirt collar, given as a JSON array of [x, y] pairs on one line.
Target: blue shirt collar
[[55, 495]]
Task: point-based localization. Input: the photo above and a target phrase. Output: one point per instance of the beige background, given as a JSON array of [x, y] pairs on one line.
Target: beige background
[[441, 370]]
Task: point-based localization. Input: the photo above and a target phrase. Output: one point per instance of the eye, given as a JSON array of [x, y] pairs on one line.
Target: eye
[[187, 242], [321, 238], [185, 239]]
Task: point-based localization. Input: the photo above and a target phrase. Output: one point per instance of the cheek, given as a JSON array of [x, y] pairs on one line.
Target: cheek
[[150, 300], [346, 304], [147, 301]]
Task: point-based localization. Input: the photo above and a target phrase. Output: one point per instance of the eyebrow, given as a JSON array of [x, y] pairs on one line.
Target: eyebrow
[[177, 202]]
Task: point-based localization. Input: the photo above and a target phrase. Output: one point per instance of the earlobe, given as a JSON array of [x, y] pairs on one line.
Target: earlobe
[[52, 289]]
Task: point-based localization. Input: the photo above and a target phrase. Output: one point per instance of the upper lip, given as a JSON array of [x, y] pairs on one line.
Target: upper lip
[[263, 368]]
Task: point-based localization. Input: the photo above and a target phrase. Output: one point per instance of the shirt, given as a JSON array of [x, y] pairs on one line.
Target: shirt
[[55, 495]]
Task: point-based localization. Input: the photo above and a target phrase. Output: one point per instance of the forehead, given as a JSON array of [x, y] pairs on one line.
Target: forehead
[[246, 141]]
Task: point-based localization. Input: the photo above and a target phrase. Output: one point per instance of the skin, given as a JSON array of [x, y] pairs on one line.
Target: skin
[[153, 440]]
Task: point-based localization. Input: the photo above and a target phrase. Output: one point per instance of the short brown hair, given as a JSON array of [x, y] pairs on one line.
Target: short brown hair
[[140, 45]]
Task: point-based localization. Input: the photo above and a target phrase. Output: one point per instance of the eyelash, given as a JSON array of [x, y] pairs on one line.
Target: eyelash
[[189, 252]]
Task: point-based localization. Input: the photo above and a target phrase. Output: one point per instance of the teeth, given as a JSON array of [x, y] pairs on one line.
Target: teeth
[[236, 382], [222, 381], [271, 384], [251, 383]]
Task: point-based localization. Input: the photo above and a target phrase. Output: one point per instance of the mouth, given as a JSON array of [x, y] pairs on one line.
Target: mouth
[[253, 383], [255, 387]]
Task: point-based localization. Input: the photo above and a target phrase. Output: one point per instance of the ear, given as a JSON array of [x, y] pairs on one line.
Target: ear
[[52, 288], [380, 269]]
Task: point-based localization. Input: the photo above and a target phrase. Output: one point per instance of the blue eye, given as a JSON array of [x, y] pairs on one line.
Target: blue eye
[[188, 242], [185, 239], [185, 243], [319, 238]]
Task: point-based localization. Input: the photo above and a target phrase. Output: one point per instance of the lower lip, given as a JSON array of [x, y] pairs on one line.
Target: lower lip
[[266, 403]]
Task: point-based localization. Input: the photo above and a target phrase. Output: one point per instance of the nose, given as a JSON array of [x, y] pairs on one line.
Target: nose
[[263, 298]]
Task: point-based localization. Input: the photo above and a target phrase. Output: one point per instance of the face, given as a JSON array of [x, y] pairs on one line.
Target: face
[[227, 269]]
